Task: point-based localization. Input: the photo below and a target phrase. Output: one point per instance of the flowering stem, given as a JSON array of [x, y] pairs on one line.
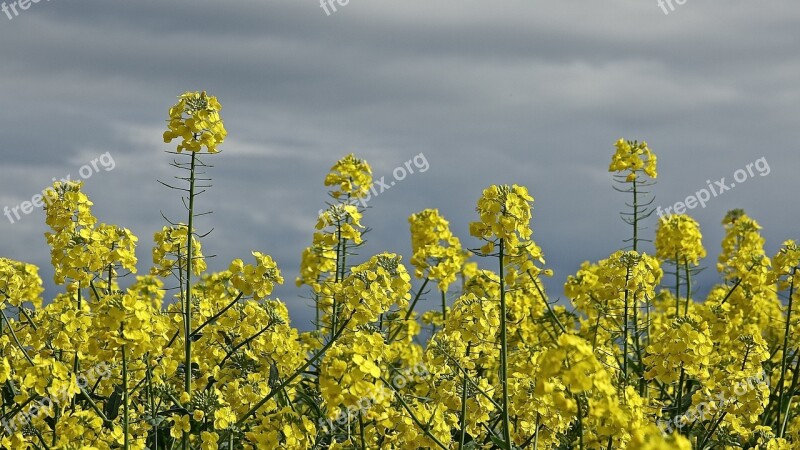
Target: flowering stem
[[580, 422], [2, 332], [783, 356], [736, 285], [688, 286], [296, 374], [210, 319], [444, 305], [16, 339], [76, 362], [236, 348], [711, 431], [125, 406], [635, 216], [361, 430], [547, 304], [425, 428], [625, 331], [334, 314], [416, 299], [486, 395], [463, 422], [187, 312], [504, 350], [410, 310], [344, 259], [217, 315], [677, 287], [680, 392], [151, 398]]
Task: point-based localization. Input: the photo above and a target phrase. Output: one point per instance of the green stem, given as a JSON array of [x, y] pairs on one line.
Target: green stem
[[580, 422], [334, 313], [635, 217], [625, 331], [16, 339], [217, 315], [2, 352], [463, 421], [504, 350], [680, 393], [783, 356], [547, 304], [125, 403], [677, 287], [361, 431], [688, 285], [410, 310], [76, 362], [187, 312], [151, 398], [425, 428], [444, 305], [289, 380], [711, 431]]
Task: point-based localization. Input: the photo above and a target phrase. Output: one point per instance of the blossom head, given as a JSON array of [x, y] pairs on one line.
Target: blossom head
[[437, 253], [633, 156], [257, 280], [784, 266], [351, 176], [169, 253], [678, 239], [373, 287], [505, 213], [19, 283], [196, 121]]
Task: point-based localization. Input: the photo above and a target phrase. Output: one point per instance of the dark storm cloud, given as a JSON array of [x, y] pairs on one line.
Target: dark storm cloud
[[514, 92]]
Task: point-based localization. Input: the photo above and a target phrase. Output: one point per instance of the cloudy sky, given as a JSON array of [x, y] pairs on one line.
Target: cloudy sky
[[524, 92]]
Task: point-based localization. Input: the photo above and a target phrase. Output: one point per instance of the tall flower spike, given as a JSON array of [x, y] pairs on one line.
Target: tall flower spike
[[437, 253], [351, 176], [505, 214], [19, 283], [196, 121], [170, 249], [258, 280], [633, 156], [679, 235], [742, 246]]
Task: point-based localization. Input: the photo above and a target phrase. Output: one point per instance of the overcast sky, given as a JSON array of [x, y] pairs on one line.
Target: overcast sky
[[524, 92]]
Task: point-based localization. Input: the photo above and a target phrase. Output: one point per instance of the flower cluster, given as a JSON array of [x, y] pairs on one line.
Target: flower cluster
[[683, 347], [372, 288], [19, 283], [196, 121], [678, 239], [505, 213], [257, 281], [436, 252], [633, 157], [170, 253], [351, 176]]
